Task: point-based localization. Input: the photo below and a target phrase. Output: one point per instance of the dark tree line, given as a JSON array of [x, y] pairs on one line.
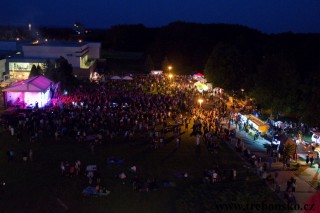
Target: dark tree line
[[282, 75]]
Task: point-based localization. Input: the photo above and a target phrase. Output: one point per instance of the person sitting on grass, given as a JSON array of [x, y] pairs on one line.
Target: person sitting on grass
[[135, 183], [153, 184], [103, 190], [133, 169], [214, 176], [122, 176], [72, 171]]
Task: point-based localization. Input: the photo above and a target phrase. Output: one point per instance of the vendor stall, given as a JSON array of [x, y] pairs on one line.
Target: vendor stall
[[156, 72], [255, 123]]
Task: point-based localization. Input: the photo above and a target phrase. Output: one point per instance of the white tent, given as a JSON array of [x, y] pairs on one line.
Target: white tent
[[127, 78], [115, 78], [29, 92]]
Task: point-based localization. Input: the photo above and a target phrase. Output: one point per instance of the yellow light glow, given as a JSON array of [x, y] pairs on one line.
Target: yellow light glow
[[169, 67], [170, 76], [200, 101]]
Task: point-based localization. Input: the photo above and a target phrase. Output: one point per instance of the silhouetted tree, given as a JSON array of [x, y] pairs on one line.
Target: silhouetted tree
[[60, 71], [165, 64], [64, 72], [50, 71], [35, 71], [225, 67], [149, 64], [277, 84]]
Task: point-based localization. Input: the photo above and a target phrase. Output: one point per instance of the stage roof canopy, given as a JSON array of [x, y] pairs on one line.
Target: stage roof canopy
[[34, 84]]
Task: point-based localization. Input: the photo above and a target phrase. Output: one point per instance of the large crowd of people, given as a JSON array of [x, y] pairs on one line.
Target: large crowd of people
[[148, 106], [151, 105]]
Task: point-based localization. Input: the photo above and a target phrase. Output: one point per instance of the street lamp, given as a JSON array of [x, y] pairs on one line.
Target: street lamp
[[169, 68], [242, 90], [200, 102]]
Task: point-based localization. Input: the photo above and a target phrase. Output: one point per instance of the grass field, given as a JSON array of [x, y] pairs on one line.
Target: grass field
[[38, 186]]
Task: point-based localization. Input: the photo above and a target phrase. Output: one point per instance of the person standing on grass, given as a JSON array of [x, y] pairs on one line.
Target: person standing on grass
[[178, 140], [234, 174], [78, 166], [247, 130], [293, 186], [278, 156], [11, 131], [270, 162], [92, 148], [284, 164], [9, 155], [214, 176], [24, 156], [30, 155], [288, 162], [311, 160], [19, 136], [198, 139], [277, 188]]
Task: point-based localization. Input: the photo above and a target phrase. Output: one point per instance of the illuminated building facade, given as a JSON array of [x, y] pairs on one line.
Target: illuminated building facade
[[22, 55]]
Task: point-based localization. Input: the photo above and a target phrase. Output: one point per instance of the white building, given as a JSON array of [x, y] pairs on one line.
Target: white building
[[22, 55]]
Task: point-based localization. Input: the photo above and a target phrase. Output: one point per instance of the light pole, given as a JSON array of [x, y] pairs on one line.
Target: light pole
[[200, 102], [169, 72], [242, 90]]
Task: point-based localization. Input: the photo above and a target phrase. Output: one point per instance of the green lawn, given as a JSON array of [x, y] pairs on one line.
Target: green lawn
[[39, 187]]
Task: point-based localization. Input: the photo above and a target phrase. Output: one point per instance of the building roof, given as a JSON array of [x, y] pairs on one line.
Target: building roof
[[34, 84], [58, 44], [22, 58]]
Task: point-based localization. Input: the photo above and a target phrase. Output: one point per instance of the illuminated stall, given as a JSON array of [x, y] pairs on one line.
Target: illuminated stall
[[256, 123], [217, 91], [199, 77], [156, 72], [29, 93], [201, 86]]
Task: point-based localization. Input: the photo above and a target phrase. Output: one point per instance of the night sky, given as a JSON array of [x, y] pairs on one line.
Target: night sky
[[270, 16]]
